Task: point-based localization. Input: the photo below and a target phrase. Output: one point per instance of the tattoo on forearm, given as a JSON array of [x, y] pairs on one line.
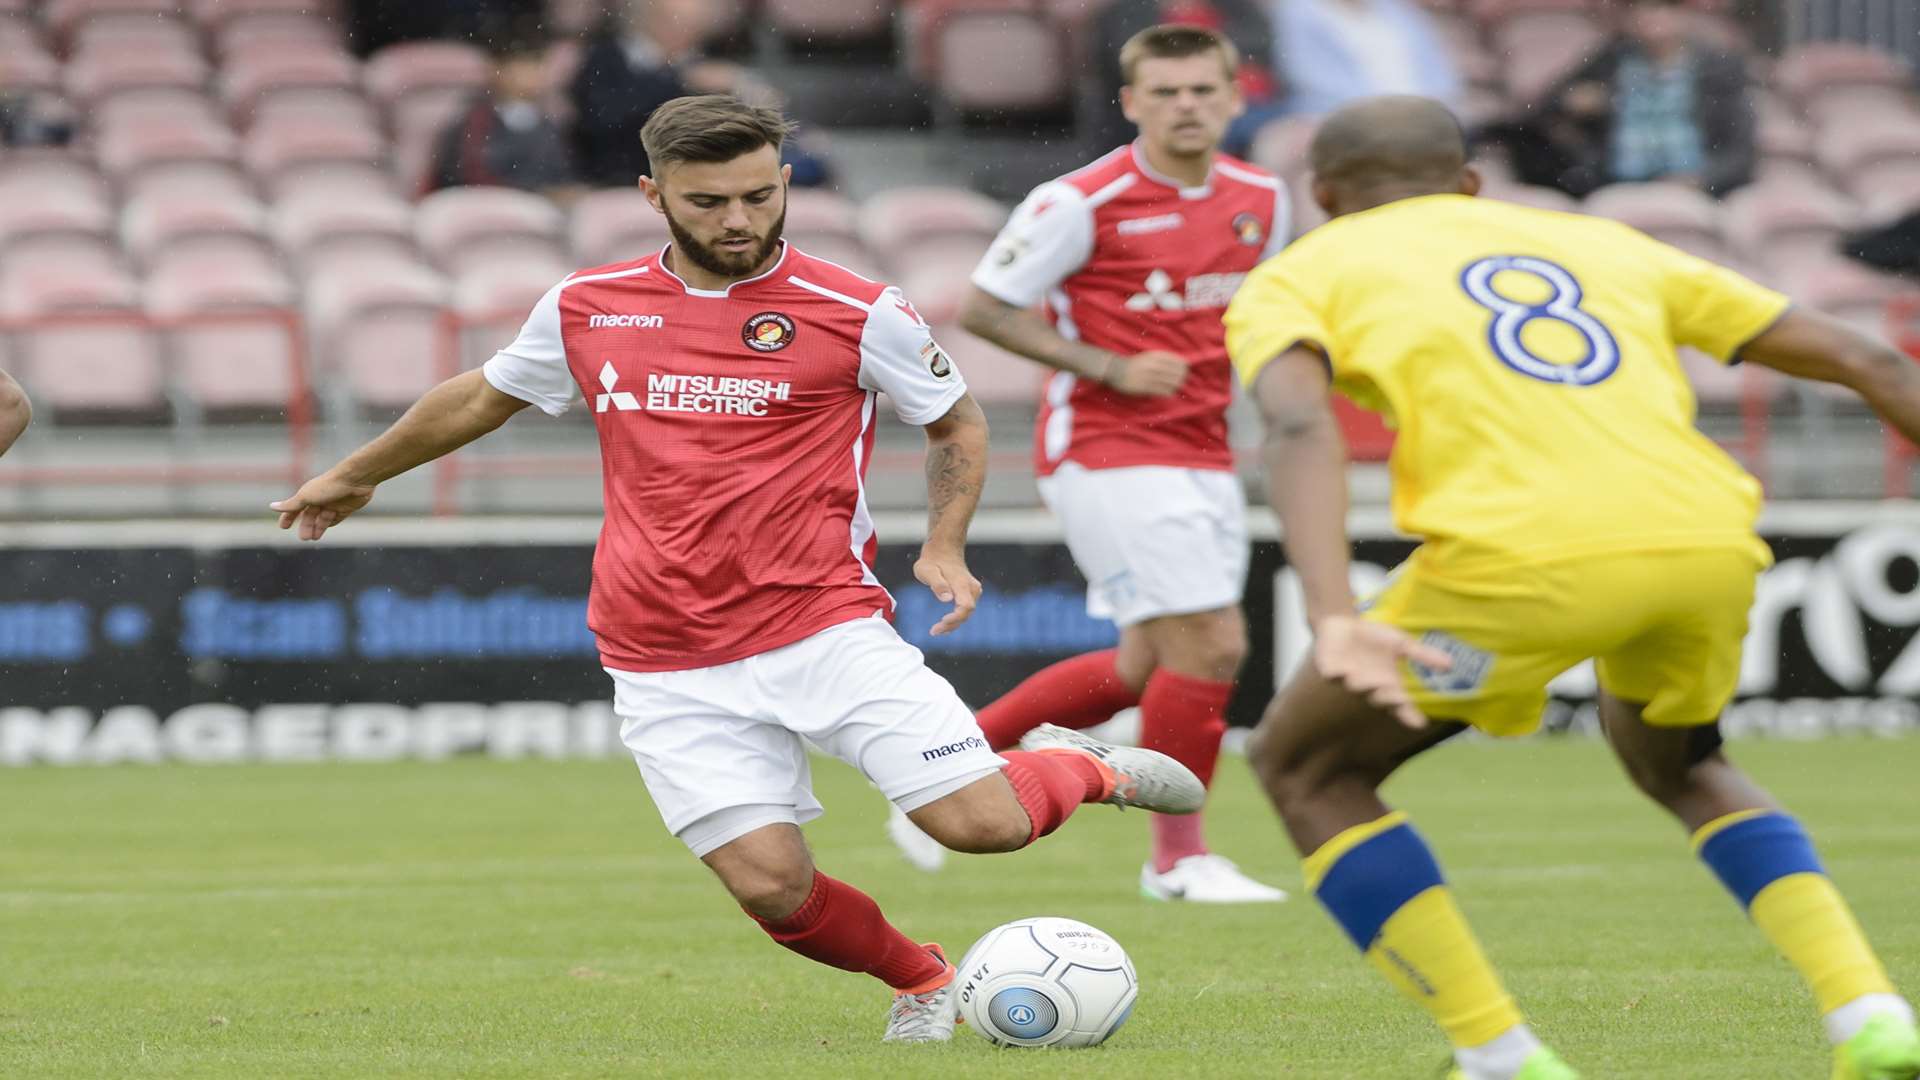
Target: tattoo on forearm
[[950, 478]]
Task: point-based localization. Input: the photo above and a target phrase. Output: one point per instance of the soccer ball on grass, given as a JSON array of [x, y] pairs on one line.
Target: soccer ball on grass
[[1046, 981]]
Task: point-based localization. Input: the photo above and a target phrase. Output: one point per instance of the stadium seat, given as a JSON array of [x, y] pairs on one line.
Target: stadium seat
[[345, 109], [274, 147], [274, 34], [614, 225], [223, 14], [457, 224], [121, 34], [229, 328], [78, 339], [817, 213], [1852, 150], [1678, 214], [417, 124], [64, 17], [127, 150], [161, 105], [1781, 135], [249, 78], [491, 299], [204, 179], [184, 217], [824, 22], [343, 179], [1844, 288], [50, 204], [989, 62], [994, 376], [308, 223], [901, 224], [93, 77], [1780, 220], [400, 72], [1807, 70], [376, 323]]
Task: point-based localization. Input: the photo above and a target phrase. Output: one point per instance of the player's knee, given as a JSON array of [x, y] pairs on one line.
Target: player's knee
[[1003, 829], [771, 891]]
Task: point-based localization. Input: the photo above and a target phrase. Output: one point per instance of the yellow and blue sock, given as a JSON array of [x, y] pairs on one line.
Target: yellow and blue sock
[[1382, 885], [1766, 861]]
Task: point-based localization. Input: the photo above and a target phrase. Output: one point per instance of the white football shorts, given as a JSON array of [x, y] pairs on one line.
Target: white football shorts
[[1152, 540], [723, 749]]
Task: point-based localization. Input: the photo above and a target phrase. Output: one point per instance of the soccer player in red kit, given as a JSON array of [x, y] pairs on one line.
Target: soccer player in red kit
[[1134, 258], [733, 382]]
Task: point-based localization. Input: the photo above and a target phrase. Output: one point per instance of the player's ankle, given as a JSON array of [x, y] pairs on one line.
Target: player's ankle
[[1845, 1021], [1499, 1058]]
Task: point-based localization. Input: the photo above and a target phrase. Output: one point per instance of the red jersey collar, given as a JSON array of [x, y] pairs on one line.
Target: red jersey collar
[[1140, 166]]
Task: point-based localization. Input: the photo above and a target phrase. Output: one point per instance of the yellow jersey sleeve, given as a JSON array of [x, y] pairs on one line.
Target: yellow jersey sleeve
[[1269, 314], [1711, 307]]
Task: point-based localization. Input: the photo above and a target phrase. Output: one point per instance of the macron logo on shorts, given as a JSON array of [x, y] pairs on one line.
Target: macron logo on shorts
[[971, 742]]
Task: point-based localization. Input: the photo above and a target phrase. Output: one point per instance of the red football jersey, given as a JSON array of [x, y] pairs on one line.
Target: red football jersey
[[735, 428], [1128, 260]]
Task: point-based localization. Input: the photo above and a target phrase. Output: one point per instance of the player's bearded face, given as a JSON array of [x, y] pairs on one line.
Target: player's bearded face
[[1182, 104], [726, 217]]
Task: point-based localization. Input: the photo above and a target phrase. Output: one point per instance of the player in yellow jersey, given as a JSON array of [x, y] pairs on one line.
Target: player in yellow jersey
[[1568, 508]]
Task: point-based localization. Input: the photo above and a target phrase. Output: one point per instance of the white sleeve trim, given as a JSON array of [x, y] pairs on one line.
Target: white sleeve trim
[[1046, 241], [1281, 234], [899, 358]]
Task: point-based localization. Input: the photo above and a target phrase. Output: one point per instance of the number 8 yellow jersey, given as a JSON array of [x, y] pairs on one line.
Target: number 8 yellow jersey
[[1528, 360]]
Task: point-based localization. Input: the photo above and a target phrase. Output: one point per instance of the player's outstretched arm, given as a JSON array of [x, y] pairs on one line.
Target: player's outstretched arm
[[1811, 345], [1306, 458], [956, 472], [16, 412], [450, 416], [1024, 331]]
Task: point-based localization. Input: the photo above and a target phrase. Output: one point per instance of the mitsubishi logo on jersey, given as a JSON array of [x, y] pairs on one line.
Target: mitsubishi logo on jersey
[[621, 400], [1203, 291], [1159, 294]]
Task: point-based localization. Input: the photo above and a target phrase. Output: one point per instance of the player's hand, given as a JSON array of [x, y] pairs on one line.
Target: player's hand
[[320, 504], [946, 573], [1153, 373], [1364, 657]]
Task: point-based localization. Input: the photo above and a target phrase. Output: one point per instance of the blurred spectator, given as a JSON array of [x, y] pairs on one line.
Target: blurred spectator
[[1893, 247], [1335, 51], [1242, 21], [505, 137], [372, 24], [1654, 104], [33, 120], [648, 53]]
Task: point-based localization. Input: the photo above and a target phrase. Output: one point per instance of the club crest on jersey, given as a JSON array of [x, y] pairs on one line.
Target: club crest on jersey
[[1247, 227], [1470, 669], [936, 358], [768, 331]]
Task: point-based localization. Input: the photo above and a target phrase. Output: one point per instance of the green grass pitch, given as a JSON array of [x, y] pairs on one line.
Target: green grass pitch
[[493, 919]]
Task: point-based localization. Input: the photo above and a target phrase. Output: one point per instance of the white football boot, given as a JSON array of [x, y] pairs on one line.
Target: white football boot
[[1206, 879], [921, 850], [927, 1016], [1146, 779]]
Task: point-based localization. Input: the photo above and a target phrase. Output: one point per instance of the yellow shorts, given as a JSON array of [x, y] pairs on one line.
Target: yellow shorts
[[1664, 626]]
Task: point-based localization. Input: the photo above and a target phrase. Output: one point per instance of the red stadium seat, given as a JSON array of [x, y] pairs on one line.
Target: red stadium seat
[[92, 77], [417, 125], [400, 72], [247, 363], [307, 224], [125, 151], [166, 106], [1678, 214], [275, 147], [327, 110], [614, 225], [377, 323], [994, 61], [133, 33], [50, 204], [900, 224], [182, 217], [994, 376], [250, 78], [1776, 221], [1806, 70], [492, 297], [342, 179], [203, 179], [78, 339], [1855, 151], [64, 17], [458, 224], [272, 34], [224, 13]]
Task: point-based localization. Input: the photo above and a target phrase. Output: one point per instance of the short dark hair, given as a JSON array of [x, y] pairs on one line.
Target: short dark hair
[[710, 128], [1173, 43]]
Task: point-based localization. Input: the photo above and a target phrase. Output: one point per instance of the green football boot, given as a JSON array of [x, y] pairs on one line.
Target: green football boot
[[1887, 1048]]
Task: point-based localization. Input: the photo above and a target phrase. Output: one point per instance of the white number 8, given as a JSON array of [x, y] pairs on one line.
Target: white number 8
[[1510, 319]]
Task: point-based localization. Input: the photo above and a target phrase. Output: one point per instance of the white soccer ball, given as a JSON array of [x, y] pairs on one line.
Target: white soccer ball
[[1046, 982]]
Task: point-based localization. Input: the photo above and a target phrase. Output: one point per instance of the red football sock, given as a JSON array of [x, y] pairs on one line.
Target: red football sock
[[1051, 785], [842, 927], [1183, 717], [1077, 692]]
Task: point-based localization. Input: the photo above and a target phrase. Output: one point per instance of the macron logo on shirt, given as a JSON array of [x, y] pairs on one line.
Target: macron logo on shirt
[[643, 322]]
